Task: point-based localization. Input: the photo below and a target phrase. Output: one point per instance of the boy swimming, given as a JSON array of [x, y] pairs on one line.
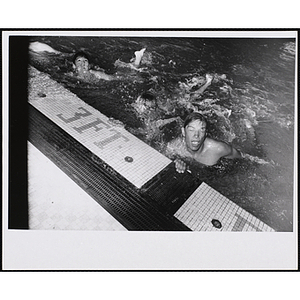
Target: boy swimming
[[81, 66], [195, 144]]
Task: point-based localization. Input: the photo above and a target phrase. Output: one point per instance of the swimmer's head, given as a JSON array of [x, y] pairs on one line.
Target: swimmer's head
[[149, 100], [81, 62], [194, 131], [192, 117], [80, 54]]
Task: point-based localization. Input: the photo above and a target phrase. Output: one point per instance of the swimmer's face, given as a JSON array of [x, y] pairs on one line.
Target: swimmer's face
[[81, 64], [194, 134]]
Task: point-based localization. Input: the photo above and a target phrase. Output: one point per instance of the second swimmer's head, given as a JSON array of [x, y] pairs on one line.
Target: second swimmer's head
[[81, 62]]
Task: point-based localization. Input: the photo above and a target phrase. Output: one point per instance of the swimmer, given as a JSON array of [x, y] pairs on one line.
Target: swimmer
[[41, 47], [195, 144], [134, 62], [147, 109], [81, 66], [201, 90]]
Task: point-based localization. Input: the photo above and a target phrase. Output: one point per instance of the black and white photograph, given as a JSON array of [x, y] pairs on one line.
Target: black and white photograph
[[143, 142]]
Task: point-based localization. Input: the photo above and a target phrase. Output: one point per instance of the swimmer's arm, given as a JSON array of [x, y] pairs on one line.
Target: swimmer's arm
[[228, 151], [180, 165], [101, 75], [202, 89], [235, 153], [160, 123]]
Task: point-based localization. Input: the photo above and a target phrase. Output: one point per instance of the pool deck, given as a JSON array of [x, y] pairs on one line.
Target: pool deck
[[58, 203], [136, 186]]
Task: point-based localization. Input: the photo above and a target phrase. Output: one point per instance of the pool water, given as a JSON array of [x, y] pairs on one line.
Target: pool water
[[249, 104]]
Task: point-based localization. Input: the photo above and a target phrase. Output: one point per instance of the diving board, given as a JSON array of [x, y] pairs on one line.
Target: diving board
[[208, 210], [125, 153]]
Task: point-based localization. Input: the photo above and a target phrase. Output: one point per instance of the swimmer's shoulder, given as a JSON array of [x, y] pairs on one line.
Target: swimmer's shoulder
[[101, 75], [209, 142], [217, 145]]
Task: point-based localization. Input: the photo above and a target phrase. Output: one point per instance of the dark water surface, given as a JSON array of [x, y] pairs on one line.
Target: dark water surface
[[252, 106]]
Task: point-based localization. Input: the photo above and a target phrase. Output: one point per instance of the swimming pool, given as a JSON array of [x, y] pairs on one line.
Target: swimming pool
[[252, 106]]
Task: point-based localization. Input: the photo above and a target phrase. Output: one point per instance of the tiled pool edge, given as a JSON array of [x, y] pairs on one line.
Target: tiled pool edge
[[206, 207]]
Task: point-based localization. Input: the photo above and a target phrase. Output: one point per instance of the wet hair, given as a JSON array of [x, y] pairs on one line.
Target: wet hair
[[192, 117], [149, 96], [80, 54]]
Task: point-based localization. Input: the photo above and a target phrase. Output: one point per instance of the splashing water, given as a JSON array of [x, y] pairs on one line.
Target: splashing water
[[250, 104]]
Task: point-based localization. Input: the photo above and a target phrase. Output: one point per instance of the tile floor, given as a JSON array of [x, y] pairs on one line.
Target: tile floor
[[206, 204]]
